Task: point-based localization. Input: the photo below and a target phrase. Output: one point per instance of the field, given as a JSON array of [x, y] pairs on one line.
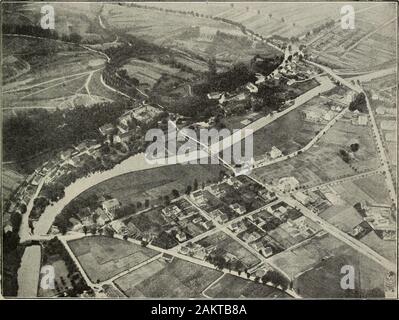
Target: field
[[370, 46], [195, 38], [154, 183], [288, 133], [284, 19], [62, 281], [322, 162], [103, 257], [323, 281], [237, 288], [226, 245], [159, 279], [10, 181]]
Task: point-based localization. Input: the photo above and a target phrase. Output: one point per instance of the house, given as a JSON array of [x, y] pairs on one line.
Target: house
[[125, 118], [171, 210], [197, 220], [102, 217], [329, 115], [122, 128], [207, 224], [302, 198], [66, 154], [219, 216], [167, 257], [237, 227], [110, 206], [240, 209], [362, 120], [214, 95], [181, 236], [107, 129], [290, 82], [251, 87], [124, 137], [275, 152], [260, 78], [250, 237], [119, 227]]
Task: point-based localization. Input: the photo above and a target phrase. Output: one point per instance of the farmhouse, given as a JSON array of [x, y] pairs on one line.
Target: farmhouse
[[251, 87], [107, 129], [240, 209], [110, 206], [275, 153], [124, 137], [181, 236], [214, 95]]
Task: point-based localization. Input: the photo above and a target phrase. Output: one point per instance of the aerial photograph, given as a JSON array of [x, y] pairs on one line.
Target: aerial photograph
[[199, 150]]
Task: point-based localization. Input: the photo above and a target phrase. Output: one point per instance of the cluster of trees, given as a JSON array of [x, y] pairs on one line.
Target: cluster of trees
[[38, 31], [345, 155], [265, 65], [55, 247], [359, 103], [228, 81], [36, 131], [221, 263], [272, 97], [242, 40], [277, 279]]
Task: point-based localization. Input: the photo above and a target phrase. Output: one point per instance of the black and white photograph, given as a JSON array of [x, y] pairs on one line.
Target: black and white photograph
[[199, 150]]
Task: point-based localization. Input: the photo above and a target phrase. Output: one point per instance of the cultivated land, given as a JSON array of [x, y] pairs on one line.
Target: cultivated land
[[159, 279], [154, 183], [322, 163], [233, 287], [201, 231], [103, 257]]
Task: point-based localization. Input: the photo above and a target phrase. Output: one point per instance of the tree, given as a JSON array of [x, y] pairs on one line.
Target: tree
[[175, 193], [195, 184], [354, 147], [189, 189]]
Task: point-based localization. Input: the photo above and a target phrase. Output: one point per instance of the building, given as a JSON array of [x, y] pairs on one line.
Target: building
[[102, 217], [110, 206], [329, 115], [181, 236], [207, 224], [167, 257], [107, 129], [66, 154], [302, 198], [251, 87], [240, 209], [260, 78], [214, 95], [171, 210], [124, 137], [362, 120], [290, 82], [275, 152]]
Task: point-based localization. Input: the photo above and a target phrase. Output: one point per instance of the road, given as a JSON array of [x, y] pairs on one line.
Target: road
[[337, 233], [382, 154], [346, 179], [262, 163]]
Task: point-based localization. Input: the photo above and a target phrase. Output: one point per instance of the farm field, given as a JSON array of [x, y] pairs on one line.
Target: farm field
[[62, 280], [103, 257], [314, 263], [154, 183], [322, 162], [11, 179], [227, 245], [267, 19], [160, 279], [386, 248], [323, 280], [237, 288], [186, 34], [367, 48]]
